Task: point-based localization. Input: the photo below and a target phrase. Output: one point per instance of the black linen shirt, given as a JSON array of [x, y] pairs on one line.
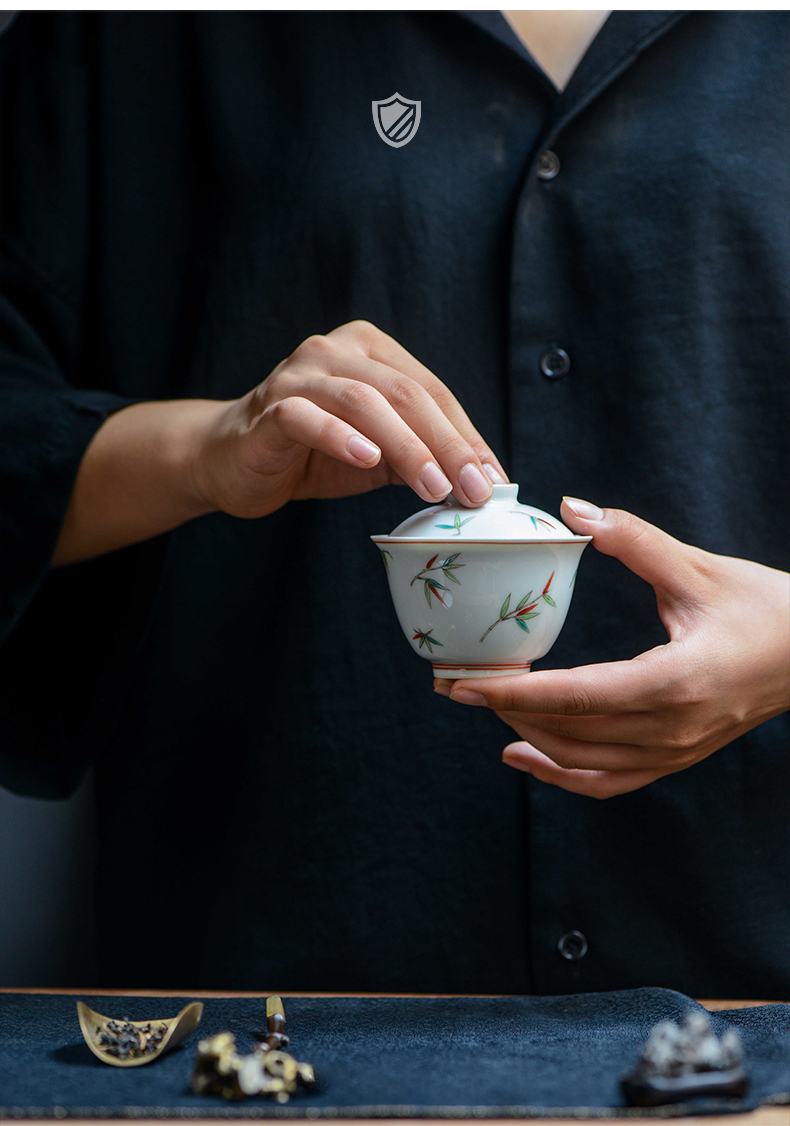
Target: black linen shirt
[[186, 196]]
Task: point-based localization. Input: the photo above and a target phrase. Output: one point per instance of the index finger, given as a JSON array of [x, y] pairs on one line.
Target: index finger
[[378, 346], [638, 685]]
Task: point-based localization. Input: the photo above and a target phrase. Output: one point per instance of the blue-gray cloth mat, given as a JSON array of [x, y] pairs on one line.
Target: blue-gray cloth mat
[[511, 1057]]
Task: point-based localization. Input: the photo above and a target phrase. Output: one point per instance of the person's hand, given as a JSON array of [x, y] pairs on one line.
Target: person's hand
[[607, 729], [345, 413]]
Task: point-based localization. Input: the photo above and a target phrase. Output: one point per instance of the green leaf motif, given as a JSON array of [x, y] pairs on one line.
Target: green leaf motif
[[427, 591], [426, 639], [438, 586], [456, 525], [526, 617], [550, 600], [524, 601], [505, 605], [451, 578], [523, 624]]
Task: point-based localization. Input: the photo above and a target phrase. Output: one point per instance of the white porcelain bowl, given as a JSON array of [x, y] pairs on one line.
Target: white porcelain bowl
[[483, 591]]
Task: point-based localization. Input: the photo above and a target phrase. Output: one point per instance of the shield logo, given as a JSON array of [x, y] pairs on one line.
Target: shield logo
[[396, 119]]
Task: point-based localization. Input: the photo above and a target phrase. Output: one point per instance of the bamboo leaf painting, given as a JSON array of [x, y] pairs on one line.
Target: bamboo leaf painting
[[457, 524], [426, 639], [432, 586], [524, 611]]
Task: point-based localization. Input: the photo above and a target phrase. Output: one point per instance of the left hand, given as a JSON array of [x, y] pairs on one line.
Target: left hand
[[608, 729]]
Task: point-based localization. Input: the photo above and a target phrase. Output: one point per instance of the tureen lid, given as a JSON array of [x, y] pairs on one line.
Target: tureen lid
[[502, 518]]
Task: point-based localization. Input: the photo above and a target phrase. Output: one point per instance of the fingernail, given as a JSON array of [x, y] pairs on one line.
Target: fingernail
[[434, 481], [362, 449], [514, 755], [584, 509], [515, 761], [465, 696], [442, 687], [493, 474], [474, 484]]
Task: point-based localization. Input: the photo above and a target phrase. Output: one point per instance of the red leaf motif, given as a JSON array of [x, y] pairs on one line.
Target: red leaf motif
[[527, 609], [431, 562], [548, 525], [548, 584]]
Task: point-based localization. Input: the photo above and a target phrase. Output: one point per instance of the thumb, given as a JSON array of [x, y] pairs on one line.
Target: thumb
[[647, 551]]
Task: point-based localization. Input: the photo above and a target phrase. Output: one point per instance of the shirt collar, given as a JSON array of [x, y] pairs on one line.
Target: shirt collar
[[621, 39]]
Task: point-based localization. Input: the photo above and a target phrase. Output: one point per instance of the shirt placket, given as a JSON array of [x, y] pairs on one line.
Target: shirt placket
[[547, 353]]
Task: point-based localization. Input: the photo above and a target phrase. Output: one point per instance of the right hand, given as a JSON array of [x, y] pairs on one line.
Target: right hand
[[345, 413]]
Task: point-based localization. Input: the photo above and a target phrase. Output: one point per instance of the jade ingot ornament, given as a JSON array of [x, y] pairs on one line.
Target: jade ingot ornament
[[481, 591]]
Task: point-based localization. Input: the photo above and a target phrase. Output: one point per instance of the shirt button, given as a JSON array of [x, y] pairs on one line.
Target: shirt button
[[555, 363], [572, 946], [548, 165]]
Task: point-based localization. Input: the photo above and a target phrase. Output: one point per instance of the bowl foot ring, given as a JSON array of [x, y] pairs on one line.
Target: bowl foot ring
[[451, 671]]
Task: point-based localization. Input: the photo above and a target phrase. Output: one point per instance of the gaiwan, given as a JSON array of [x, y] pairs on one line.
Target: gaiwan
[[481, 591]]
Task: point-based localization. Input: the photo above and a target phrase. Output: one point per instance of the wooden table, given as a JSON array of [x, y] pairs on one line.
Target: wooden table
[[763, 1116]]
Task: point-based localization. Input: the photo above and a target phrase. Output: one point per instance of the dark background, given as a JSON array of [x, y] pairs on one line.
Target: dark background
[[46, 890]]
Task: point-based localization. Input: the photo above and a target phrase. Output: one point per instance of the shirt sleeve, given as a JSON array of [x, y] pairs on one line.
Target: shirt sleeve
[[51, 403], [46, 427]]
